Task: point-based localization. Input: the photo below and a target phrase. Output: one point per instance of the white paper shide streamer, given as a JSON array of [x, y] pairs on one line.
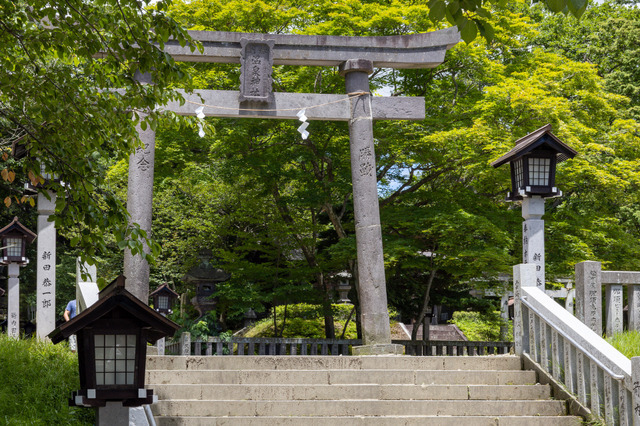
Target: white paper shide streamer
[[303, 127], [200, 115]]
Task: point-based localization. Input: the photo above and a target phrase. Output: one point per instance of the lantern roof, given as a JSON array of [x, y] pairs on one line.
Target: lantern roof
[[539, 138], [164, 288], [16, 227], [113, 297]]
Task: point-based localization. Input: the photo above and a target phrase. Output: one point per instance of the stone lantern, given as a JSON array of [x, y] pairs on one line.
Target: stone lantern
[[112, 339], [205, 277], [343, 287], [15, 237], [533, 163], [250, 317]]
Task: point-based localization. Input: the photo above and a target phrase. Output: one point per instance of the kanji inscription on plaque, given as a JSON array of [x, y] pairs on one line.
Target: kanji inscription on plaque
[[255, 70]]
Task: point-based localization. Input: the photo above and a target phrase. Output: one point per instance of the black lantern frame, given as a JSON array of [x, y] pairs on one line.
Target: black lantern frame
[[112, 339], [15, 237], [163, 298], [533, 164]]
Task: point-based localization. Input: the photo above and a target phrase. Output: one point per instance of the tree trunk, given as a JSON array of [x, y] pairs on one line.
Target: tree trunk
[[275, 322], [284, 320], [346, 324], [329, 327], [425, 305]]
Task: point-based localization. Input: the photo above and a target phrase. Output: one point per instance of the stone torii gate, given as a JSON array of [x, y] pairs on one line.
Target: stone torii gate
[[356, 58]]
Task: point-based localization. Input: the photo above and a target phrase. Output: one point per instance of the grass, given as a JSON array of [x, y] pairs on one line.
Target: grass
[[479, 326], [37, 379], [628, 343]]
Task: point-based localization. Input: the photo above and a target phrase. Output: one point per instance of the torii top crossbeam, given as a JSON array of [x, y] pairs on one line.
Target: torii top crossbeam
[[423, 50]]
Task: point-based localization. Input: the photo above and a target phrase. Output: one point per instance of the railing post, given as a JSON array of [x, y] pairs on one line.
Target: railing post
[[569, 301], [589, 294], [614, 303], [634, 307], [635, 377], [504, 314], [185, 343], [524, 275], [160, 345]]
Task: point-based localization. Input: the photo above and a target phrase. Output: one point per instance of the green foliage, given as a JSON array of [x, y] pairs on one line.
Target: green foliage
[[305, 321], [473, 16], [37, 379], [479, 326], [628, 343], [199, 327], [608, 35], [66, 94]]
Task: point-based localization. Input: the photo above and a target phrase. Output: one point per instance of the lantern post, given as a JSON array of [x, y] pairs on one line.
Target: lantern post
[[533, 163], [15, 237], [112, 346]]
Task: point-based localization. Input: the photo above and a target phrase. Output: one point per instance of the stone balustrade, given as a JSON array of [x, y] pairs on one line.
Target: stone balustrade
[[291, 346], [590, 278], [604, 380]]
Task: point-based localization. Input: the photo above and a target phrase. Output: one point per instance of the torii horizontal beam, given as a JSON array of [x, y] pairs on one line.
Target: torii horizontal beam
[[224, 103], [423, 50]]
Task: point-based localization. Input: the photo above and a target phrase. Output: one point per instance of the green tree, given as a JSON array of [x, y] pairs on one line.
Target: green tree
[[608, 35], [67, 95]]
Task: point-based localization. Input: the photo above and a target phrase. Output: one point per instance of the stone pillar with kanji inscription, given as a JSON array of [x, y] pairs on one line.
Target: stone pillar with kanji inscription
[[46, 266], [635, 393], [533, 236], [614, 302], [139, 206], [589, 294], [372, 290], [13, 300]]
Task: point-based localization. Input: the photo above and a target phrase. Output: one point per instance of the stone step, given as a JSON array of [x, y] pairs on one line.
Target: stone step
[[351, 391], [372, 421], [501, 362], [357, 407], [332, 377]]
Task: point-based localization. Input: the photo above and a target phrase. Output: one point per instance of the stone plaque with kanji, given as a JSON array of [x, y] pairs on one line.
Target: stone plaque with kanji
[[255, 70]]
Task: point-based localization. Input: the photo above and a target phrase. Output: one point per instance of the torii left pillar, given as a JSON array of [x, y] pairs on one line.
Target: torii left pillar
[[139, 205]]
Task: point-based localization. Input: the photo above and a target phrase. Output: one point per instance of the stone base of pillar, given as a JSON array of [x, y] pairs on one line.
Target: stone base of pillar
[[115, 414], [382, 349]]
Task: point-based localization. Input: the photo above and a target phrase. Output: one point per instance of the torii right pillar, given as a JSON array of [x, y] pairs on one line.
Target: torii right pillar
[[372, 289]]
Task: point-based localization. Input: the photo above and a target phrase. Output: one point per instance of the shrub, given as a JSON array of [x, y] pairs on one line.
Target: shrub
[[479, 326], [37, 380], [306, 321]]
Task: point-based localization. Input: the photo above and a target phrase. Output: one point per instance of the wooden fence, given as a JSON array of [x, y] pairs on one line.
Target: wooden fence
[[283, 346]]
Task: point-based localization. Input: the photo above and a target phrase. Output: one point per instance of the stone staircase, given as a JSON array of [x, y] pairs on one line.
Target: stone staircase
[[367, 390]]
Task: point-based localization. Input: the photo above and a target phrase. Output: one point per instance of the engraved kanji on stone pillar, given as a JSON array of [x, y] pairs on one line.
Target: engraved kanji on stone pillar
[[256, 65], [46, 267], [139, 203], [533, 236], [589, 294]]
